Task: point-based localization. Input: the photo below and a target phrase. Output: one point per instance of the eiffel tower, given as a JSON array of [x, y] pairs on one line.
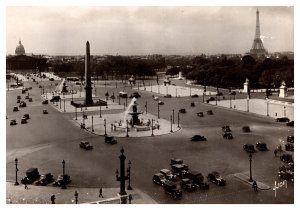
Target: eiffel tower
[[258, 47]]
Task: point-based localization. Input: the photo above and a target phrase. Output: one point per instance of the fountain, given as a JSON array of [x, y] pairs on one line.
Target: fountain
[[135, 119]]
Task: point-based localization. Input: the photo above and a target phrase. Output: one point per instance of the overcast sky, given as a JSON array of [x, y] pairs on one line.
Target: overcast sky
[[147, 30]]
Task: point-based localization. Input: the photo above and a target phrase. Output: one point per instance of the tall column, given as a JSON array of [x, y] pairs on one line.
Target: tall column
[[88, 83]]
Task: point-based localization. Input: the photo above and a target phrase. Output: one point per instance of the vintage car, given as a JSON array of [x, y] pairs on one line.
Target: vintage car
[[161, 103], [62, 180], [30, 99], [188, 185], [168, 174], [200, 114], [32, 174], [209, 112], [13, 122], [180, 170], [110, 140], [18, 101], [182, 111], [23, 121], [45, 111], [216, 178], [173, 189], [198, 138], [168, 96], [45, 179], [135, 95], [246, 129], [289, 147], [22, 104], [227, 135], [287, 158], [198, 180], [261, 146], [85, 145], [55, 99], [18, 97], [159, 179], [291, 123], [45, 102], [176, 161], [226, 128], [290, 139], [15, 109], [123, 94], [194, 96], [249, 148], [27, 97], [286, 174], [282, 119]]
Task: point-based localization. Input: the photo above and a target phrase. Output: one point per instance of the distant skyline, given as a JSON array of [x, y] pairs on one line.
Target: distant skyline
[[147, 30]]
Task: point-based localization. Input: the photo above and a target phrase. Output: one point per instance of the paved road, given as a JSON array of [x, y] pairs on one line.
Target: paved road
[[48, 139]]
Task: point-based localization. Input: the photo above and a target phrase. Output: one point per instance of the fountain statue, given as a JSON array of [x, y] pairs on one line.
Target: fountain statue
[[135, 119]]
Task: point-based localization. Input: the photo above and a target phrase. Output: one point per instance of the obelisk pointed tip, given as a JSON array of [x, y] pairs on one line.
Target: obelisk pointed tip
[[87, 43]]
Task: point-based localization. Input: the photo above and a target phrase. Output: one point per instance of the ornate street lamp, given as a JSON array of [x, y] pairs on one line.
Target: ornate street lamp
[[250, 161], [16, 163], [63, 186], [105, 127], [121, 177], [75, 113], [92, 123], [127, 128], [173, 117], [158, 110], [152, 128], [178, 119], [128, 175], [76, 197]]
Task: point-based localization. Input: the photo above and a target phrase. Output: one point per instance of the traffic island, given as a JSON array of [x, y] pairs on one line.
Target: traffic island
[[246, 179]]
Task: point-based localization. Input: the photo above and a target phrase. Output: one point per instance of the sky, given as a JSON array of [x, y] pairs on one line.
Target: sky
[[147, 30]]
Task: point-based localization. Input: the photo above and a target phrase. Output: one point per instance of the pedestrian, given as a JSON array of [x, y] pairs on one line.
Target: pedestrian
[[100, 192], [254, 185], [280, 148], [275, 152], [52, 199], [25, 183], [129, 198]]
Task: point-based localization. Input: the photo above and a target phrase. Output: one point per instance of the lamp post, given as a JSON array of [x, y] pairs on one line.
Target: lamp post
[[178, 119], [129, 175], [284, 111], [64, 105], [152, 128], [105, 127], [216, 99], [63, 186], [76, 197], [176, 92], [158, 110], [100, 111], [122, 178], [203, 97], [267, 107], [92, 123], [75, 113], [230, 102], [60, 103], [127, 128], [173, 117], [146, 106], [126, 100], [16, 163], [171, 124], [83, 117], [190, 91], [250, 161], [247, 104]]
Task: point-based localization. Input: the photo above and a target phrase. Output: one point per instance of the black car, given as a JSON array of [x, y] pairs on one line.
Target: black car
[[30, 99], [210, 112], [62, 180], [15, 109], [45, 102], [110, 140], [194, 96], [161, 103], [211, 99], [249, 148], [168, 96], [27, 97], [173, 189], [85, 145], [159, 179], [23, 121], [22, 104], [290, 139], [227, 135], [18, 101], [289, 147], [261, 146], [282, 119], [123, 94], [45, 179], [55, 99], [26, 116], [188, 185], [182, 111], [32, 174], [286, 175], [291, 123], [226, 128], [219, 94], [18, 97], [176, 161], [13, 122], [45, 111], [23, 91], [168, 174], [287, 158], [198, 138], [135, 95], [200, 114], [198, 180], [216, 178], [180, 170], [246, 129]]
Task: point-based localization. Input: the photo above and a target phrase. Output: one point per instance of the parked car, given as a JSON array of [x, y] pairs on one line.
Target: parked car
[[85, 145], [18, 101], [290, 139], [200, 114], [286, 175], [18, 97], [261, 146], [216, 178], [180, 170], [161, 103], [27, 97], [194, 96], [291, 123], [51, 79], [282, 119], [173, 189], [159, 179], [22, 104], [62, 180], [23, 121], [135, 95], [155, 98], [182, 111], [289, 147], [198, 180], [226, 128], [26, 116], [176, 161], [15, 109], [45, 179], [209, 112], [168, 96], [198, 138], [249, 148], [246, 129], [287, 158], [110, 140], [211, 99], [55, 99], [123, 94], [13, 122], [227, 135], [168, 174], [188, 185], [32, 174], [23, 91], [45, 111], [219, 94], [45, 102], [30, 99]]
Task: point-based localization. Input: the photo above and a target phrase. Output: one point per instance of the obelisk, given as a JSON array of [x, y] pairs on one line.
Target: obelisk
[[88, 85]]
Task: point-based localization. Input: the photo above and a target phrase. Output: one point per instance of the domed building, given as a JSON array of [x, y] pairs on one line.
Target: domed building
[[20, 50]]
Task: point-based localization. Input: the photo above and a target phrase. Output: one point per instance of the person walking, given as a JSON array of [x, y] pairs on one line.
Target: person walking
[[52, 199], [275, 152], [25, 182], [100, 192], [129, 198], [254, 185]]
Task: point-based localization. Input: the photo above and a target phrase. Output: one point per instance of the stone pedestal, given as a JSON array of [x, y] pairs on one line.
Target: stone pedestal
[[180, 75], [246, 86], [282, 90], [123, 198]]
